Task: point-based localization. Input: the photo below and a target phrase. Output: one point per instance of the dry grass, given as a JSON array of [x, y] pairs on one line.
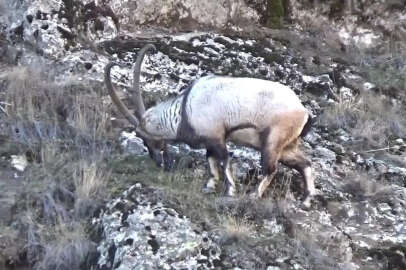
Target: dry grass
[[234, 227], [61, 196], [279, 189], [370, 118], [43, 110], [318, 255], [362, 185], [10, 246], [387, 71], [89, 180], [90, 115], [49, 153], [30, 95], [63, 131], [64, 246]]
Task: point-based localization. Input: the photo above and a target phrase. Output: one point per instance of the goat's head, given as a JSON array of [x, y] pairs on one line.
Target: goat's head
[[143, 121]]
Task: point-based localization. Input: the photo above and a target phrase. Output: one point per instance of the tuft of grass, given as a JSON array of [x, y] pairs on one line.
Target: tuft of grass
[[69, 248], [40, 110], [90, 181], [89, 115], [238, 228], [63, 130], [318, 257], [30, 95]]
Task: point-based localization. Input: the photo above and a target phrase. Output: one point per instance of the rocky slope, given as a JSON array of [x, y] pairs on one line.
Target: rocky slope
[[357, 221]]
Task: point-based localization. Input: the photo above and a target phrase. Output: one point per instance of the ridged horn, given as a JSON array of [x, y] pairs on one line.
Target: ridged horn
[[137, 97], [114, 97]]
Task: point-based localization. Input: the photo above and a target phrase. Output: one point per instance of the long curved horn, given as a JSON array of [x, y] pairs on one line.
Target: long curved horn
[[116, 100], [137, 97]]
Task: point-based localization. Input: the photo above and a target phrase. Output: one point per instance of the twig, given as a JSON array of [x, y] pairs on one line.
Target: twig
[[383, 149], [3, 108]]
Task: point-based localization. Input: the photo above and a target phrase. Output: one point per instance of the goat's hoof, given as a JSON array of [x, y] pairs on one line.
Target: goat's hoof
[[208, 190], [307, 202], [210, 186], [253, 195], [229, 193]]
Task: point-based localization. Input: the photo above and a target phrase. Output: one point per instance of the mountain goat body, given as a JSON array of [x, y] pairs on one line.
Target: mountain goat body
[[260, 114]]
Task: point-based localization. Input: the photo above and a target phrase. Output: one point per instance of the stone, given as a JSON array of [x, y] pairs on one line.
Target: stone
[[19, 162], [132, 144], [325, 154], [152, 235], [318, 85]]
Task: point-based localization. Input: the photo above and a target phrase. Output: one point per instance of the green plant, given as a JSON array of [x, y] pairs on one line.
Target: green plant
[[276, 13]]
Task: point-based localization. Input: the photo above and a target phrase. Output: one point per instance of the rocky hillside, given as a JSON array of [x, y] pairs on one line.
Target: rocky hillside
[[80, 192]]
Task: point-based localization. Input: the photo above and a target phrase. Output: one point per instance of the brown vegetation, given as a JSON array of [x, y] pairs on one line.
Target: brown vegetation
[[370, 117], [62, 130]]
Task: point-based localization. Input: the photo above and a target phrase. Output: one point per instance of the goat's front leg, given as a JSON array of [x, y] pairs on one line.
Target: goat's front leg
[[216, 154]]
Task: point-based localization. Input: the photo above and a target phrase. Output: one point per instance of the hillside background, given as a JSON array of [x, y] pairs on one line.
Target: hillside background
[[79, 191]]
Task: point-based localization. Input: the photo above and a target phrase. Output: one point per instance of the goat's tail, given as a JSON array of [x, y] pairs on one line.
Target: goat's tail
[[307, 126]]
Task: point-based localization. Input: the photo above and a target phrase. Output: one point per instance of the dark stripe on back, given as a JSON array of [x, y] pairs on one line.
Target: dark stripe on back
[[186, 132]]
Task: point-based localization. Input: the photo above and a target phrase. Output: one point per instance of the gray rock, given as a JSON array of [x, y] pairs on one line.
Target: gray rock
[[338, 148], [325, 154], [312, 137], [318, 85], [130, 143], [146, 234]]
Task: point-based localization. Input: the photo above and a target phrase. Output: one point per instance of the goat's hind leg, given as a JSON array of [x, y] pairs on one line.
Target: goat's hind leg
[[269, 157], [230, 183], [294, 158]]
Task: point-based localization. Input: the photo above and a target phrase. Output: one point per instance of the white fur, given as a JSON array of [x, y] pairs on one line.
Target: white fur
[[231, 189], [214, 168], [162, 121], [309, 181], [216, 102]]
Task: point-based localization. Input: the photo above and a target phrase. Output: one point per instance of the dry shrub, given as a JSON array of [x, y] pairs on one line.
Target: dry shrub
[[316, 254], [69, 248], [50, 153], [371, 118], [362, 185], [280, 187], [234, 227], [341, 114], [90, 181], [387, 71], [41, 112], [89, 115], [30, 95]]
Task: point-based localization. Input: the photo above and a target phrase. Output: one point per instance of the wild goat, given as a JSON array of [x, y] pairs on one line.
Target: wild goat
[[260, 114]]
